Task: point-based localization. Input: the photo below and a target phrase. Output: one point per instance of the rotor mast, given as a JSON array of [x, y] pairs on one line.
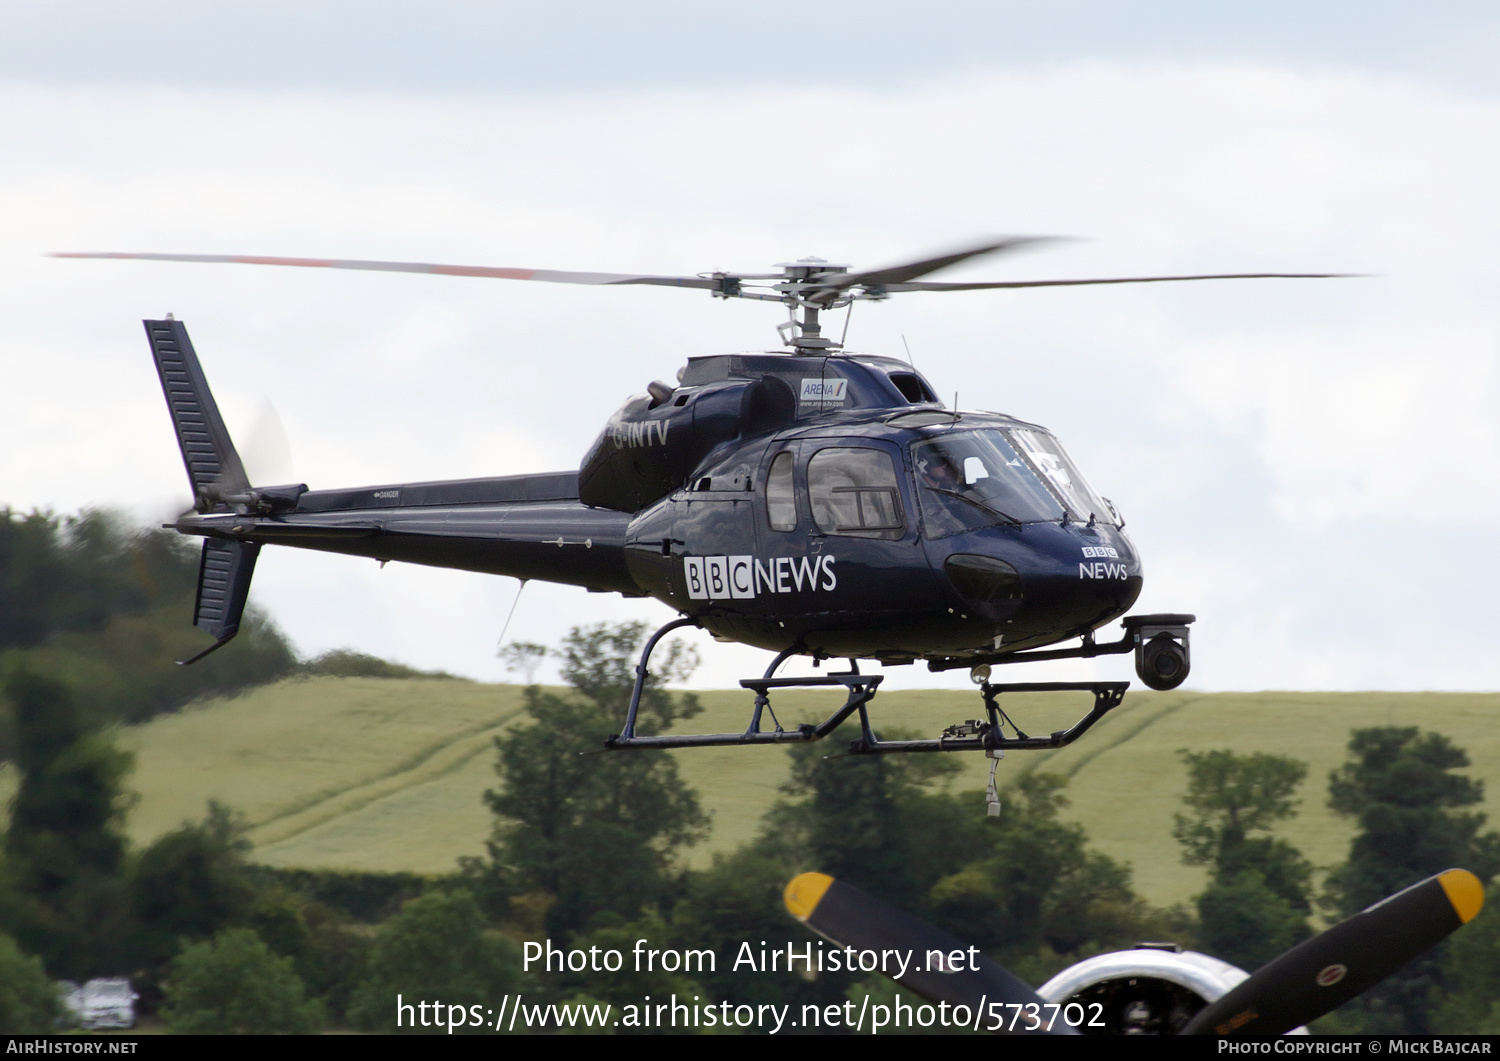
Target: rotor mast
[[806, 288]]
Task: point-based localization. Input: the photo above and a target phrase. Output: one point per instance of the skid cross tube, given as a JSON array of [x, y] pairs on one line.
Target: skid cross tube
[[989, 736], [860, 691]]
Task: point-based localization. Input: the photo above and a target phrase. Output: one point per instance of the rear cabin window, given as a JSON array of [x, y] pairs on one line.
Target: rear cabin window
[[854, 493], [781, 503]]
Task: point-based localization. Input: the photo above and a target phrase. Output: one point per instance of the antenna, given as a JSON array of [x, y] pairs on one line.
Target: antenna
[[512, 614]]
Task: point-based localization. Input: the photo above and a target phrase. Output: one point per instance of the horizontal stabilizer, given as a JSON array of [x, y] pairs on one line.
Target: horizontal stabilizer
[[223, 587]]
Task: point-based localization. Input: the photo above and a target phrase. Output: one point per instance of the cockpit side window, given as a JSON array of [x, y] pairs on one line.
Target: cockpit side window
[[854, 493], [781, 502]]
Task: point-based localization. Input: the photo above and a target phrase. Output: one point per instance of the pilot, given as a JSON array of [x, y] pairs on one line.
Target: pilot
[[938, 474], [942, 511]]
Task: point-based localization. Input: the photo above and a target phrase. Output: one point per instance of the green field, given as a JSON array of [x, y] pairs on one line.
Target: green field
[[388, 774]]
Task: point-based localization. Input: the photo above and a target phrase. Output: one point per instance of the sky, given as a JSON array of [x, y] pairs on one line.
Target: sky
[[1308, 466]]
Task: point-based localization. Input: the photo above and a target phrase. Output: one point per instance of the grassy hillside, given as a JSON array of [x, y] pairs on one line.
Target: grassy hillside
[[1126, 778], [387, 774], [381, 774]]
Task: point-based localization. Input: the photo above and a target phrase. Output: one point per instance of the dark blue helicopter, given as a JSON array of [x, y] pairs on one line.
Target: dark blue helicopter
[[813, 502]]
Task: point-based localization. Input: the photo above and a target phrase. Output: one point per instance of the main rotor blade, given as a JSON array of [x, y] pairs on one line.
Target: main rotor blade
[[550, 275], [894, 274], [939, 286], [959, 976], [1328, 970]]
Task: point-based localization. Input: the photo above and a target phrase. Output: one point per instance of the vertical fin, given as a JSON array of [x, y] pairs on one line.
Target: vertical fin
[[213, 466]]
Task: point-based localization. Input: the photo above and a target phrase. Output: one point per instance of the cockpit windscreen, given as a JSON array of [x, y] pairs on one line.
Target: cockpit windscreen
[[1047, 457], [974, 479], [988, 477]]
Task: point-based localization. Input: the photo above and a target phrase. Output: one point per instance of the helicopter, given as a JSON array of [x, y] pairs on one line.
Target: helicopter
[[810, 501], [1152, 988]]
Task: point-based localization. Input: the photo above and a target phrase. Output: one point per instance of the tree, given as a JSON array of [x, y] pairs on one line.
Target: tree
[[523, 656], [628, 988], [1232, 796], [1038, 886], [190, 884], [437, 949], [596, 833], [29, 1003], [31, 571], [347, 663], [1246, 922], [738, 899], [1400, 788], [1402, 792], [600, 660], [1023, 886], [234, 985], [1470, 1003], [1258, 901], [105, 607], [65, 850], [882, 822]]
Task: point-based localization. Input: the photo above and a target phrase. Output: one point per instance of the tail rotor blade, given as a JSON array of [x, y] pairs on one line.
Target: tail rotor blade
[[1353, 956], [266, 452], [940, 969]]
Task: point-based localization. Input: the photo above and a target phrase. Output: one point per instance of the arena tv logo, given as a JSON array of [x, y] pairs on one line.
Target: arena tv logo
[[744, 577], [831, 391]]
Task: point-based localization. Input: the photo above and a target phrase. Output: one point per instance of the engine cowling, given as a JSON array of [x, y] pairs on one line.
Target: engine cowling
[[651, 446], [655, 441]]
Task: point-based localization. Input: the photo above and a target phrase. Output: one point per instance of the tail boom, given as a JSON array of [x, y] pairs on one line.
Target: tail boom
[[554, 541]]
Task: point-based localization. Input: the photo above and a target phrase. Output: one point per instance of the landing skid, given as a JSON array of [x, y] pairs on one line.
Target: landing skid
[[986, 735]]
